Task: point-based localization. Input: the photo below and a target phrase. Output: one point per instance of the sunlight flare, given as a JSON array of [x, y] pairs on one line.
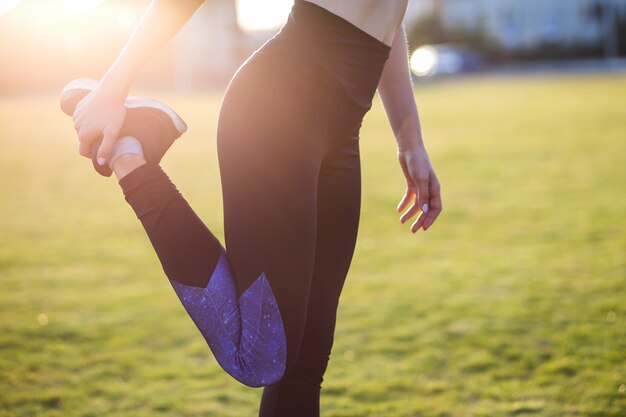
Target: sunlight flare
[[82, 5], [424, 61], [6, 5], [253, 15]]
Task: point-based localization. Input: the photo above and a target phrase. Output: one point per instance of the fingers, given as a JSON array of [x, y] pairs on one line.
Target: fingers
[[426, 204], [406, 200], [98, 123], [421, 203], [410, 196], [85, 141], [423, 194], [412, 211], [418, 223], [106, 148], [77, 117], [435, 204], [88, 144]]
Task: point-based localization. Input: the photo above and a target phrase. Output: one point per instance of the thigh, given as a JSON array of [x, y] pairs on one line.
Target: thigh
[[269, 170], [338, 211], [338, 207]]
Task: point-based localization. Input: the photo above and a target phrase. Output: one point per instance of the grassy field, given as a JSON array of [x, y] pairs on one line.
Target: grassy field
[[513, 304]]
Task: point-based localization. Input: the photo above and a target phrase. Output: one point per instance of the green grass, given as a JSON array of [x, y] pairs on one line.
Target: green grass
[[513, 304]]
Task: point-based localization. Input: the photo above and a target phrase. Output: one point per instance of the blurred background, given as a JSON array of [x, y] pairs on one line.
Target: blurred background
[[81, 37], [511, 305]]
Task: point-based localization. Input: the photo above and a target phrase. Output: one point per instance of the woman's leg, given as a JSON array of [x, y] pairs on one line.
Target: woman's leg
[[244, 331], [251, 304], [338, 206], [269, 183]]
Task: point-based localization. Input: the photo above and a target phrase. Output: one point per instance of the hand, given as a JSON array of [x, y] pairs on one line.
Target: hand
[[422, 189], [99, 116]]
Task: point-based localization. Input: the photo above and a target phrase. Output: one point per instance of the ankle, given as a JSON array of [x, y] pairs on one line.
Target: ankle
[[127, 163]]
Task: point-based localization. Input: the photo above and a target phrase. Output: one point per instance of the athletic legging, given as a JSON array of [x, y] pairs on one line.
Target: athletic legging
[[289, 162]]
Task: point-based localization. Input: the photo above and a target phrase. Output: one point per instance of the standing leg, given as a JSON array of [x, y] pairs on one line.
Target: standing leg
[[297, 394], [269, 184]]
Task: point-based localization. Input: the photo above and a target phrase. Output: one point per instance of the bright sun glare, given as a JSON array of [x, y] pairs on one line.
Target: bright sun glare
[[77, 5], [262, 15], [6, 5], [63, 32], [252, 15], [82, 5], [424, 60], [54, 24], [45, 17]]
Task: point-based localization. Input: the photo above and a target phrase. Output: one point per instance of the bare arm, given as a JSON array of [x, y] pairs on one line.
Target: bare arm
[[102, 112], [396, 91]]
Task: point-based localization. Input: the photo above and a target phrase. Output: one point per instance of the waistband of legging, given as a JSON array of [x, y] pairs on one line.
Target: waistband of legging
[[305, 11], [331, 50], [319, 26]]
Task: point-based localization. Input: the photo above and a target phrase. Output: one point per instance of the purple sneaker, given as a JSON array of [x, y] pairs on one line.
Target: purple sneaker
[[155, 125]]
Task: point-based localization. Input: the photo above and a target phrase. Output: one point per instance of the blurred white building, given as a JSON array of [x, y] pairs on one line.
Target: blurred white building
[[209, 48], [212, 45], [527, 24]]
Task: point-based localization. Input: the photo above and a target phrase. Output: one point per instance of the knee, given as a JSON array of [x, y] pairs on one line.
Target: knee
[[309, 366]]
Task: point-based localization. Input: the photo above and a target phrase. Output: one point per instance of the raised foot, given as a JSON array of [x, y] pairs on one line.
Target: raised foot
[[154, 124]]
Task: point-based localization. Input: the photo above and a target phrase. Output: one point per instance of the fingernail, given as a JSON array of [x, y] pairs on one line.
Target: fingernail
[[101, 161], [425, 208]]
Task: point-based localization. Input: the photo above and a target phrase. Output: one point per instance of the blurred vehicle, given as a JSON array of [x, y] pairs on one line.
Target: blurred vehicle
[[445, 59]]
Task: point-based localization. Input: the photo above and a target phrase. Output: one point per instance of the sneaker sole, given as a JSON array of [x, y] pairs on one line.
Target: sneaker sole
[[77, 89]]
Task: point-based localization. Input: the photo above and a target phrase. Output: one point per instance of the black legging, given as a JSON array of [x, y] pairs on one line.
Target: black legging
[[289, 162]]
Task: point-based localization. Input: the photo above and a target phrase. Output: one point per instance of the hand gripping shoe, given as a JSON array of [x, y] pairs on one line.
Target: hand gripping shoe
[[153, 123]]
